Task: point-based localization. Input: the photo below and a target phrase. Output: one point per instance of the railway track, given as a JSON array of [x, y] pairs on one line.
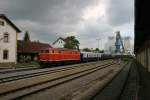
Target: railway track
[[23, 87], [5, 71], [12, 76]]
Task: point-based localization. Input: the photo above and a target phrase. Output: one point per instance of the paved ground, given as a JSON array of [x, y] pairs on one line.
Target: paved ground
[[131, 87], [138, 84], [134, 85], [144, 90], [113, 90]]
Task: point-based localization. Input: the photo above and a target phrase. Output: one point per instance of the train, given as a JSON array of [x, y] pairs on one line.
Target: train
[[54, 56]]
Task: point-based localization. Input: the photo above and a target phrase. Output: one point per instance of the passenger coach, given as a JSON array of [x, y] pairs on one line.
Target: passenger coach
[[90, 56]]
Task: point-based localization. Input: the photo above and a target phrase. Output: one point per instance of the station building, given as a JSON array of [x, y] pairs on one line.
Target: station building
[[28, 51], [8, 40]]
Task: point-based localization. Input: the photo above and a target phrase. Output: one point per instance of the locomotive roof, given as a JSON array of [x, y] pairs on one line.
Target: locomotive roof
[[59, 49]]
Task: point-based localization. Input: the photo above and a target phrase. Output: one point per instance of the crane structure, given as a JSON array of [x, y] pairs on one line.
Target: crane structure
[[119, 43]]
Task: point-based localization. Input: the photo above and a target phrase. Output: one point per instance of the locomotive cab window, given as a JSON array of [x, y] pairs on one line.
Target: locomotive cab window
[[46, 51], [42, 51]]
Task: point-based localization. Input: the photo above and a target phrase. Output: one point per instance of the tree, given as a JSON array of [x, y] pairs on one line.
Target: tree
[[97, 50], [26, 36], [71, 43], [101, 51], [87, 50]]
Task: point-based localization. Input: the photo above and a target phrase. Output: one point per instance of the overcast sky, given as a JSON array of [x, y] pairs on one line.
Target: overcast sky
[[88, 20]]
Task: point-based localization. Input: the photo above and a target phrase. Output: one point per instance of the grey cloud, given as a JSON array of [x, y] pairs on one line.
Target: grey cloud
[[120, 11], [48, 19], [96, 29], [47, 11]]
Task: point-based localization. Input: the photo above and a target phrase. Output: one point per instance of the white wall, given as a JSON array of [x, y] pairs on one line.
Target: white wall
[[11, 46], [59, 44], [127, 45]]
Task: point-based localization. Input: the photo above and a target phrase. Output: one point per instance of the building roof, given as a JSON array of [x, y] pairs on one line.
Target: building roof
[[60, 38], [30, 47], [13, 25]]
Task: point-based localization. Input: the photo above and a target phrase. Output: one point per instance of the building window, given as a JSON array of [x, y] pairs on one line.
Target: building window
[[6, 37], [5, 54], [2, 23]]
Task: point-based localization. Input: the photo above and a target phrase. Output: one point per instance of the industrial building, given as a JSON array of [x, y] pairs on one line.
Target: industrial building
[[127, 43]]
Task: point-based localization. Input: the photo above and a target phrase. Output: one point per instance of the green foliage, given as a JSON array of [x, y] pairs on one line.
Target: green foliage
[[26, 36], [93, 50], [101, 51], [87, 50], [97, 50], [125, 59], [71, 43]]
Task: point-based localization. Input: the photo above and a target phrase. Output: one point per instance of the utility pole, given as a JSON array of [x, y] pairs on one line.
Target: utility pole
[[98, 41]]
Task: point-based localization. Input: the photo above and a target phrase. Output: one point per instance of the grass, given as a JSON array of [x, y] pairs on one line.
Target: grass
[[19, 65]]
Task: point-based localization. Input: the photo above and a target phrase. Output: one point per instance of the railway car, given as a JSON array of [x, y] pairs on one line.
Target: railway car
[[52, 57], [90, 56], [105, 56]]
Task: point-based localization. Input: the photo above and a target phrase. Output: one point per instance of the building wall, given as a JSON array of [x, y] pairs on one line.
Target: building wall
[[110, 45], [149, 59], [127, 45], [59, 44], [143, 56], [11, 46], [126, 42]]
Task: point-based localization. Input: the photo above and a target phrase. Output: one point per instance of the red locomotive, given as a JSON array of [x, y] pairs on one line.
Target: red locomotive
[[58, 56]]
